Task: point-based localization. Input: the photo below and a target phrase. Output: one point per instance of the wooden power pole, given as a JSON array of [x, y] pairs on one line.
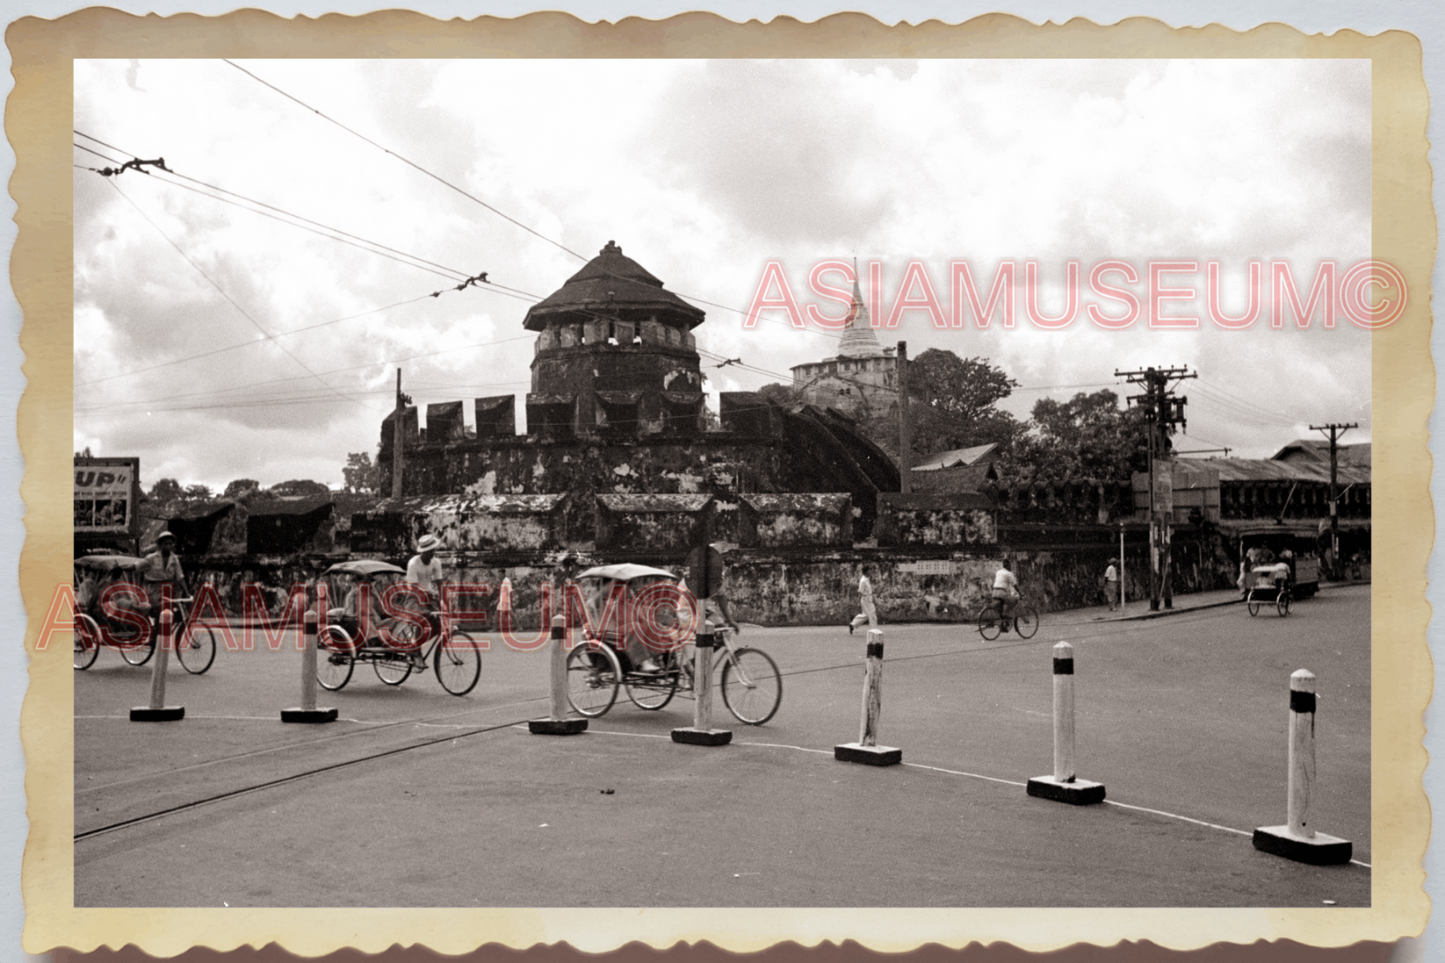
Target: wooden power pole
[[1164, 411], [397, 437], [1335, 431], [905, 429]]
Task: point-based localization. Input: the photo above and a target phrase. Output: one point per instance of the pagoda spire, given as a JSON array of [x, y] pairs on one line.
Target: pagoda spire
[[859, 341]]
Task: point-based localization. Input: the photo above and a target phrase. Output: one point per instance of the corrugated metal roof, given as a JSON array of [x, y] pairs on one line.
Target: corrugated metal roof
[[1319, 449], [959, 456], [1270, 469]]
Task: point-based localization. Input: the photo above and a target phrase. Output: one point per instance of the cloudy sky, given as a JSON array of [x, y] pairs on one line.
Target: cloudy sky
[[216, 342]]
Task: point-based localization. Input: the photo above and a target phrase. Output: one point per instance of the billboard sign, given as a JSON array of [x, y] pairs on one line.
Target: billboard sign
[[106, 492]]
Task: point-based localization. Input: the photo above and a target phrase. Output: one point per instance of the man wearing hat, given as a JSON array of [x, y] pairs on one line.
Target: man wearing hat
[[425, 571], [161, 568]]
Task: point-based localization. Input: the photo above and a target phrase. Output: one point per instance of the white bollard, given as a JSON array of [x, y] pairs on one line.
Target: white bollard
[[557, 724], [307, 712], [1064, 785], [866, 750], [1296, 839], [158, 711], [701, 732]]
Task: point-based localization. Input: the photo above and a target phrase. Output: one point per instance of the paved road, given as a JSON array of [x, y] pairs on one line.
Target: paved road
[[418, 798]]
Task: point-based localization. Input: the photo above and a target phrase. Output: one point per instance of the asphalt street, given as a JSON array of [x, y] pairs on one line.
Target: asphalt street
[[419, 798]]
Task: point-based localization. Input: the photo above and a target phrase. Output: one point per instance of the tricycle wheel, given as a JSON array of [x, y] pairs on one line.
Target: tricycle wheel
[[652, 691], [87, 641], [593, 675], [196, 650], [1281, 604], [752, 686], [334, 661], [134, 650], [458, 663], [1252, 604]]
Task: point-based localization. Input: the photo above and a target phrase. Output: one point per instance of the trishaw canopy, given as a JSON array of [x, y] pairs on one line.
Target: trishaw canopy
[[625, 572], [109, 563], [364, 566]]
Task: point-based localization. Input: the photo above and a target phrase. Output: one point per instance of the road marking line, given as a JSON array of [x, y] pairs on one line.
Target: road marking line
[[970, 775]]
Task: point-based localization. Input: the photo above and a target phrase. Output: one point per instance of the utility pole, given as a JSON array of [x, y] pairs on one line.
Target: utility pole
[[1335, 430], [396, 437], [905, 430], [1164, 411]]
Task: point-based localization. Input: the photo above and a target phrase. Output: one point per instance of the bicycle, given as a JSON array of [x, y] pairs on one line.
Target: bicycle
[[453, 654], [992, 622], [195, 645], [752, 686]]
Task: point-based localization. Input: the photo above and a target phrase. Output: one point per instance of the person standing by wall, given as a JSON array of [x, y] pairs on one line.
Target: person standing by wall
[[869, 615], [1111, 583]]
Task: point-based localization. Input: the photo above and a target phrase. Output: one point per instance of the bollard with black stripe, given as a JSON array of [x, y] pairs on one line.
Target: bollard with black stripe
[[307, 711], [558, 723], [866, 750], [701, 732], [158, 711], [1296, 839], [1064, 785]]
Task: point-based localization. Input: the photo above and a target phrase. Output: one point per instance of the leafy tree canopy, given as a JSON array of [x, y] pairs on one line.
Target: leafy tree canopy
[[166, 490], [1087, 437], [360, 474], [298, 488], [241, 487]]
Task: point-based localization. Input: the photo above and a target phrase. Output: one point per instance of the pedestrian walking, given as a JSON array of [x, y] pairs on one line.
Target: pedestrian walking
[[869, 615], [1111, 583]]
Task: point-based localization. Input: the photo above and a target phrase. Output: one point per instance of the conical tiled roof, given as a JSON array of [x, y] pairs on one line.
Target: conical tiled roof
[[611, 281], [859, 341]]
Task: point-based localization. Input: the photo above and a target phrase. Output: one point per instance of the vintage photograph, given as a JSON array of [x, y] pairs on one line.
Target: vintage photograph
[[696, 483]]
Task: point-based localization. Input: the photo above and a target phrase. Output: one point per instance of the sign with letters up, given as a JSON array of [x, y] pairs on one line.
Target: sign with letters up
[[106, 492]]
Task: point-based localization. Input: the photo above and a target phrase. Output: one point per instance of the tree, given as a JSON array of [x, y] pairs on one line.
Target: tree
[[241, 487], [952, 404], [1088, 436], [360, 474], [198, 491], [299, 487], [780, 394], [166, 490]]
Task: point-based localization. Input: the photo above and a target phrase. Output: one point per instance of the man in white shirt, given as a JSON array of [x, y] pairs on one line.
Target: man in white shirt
[[869, 615], [1111, 583], [425, 571], [1006, 590]]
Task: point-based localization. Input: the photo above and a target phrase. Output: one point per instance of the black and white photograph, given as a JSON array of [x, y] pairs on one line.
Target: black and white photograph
[[1050, 379]]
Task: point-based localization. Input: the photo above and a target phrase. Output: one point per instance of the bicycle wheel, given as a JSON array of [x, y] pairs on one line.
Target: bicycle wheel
[[654, 692], [135, 651], [1281, 604], [87, 641], [752, 686], [391, 667], [990, 625], [1252, 604], [593, 675], [458, 663], [334, 662], [1026, 621], [197, 650]]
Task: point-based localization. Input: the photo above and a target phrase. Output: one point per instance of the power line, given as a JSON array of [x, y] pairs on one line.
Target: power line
[[232, 301]]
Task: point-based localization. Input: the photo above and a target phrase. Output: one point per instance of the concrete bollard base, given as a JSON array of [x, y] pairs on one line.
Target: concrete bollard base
[[691, 736], [1319, 850], [556, 727], [1080, 792], [308, 715], [163, 714], [867, 755]]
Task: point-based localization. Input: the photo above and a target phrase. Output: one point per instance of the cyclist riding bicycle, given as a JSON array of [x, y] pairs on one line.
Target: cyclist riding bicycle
[[1006, 590], [163, 567], [424, 570]]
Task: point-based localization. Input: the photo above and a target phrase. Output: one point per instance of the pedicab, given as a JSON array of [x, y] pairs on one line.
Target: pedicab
[[645, 649], [95, 628], [397, 646], [1269, 585]]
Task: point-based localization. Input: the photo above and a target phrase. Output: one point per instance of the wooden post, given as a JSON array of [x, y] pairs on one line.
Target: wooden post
[[158, 711], [866, 750], [701, 732], [1296, 839], [307, 711], [1064, 785], [1123, 594], [905, 428], [557, 724]]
